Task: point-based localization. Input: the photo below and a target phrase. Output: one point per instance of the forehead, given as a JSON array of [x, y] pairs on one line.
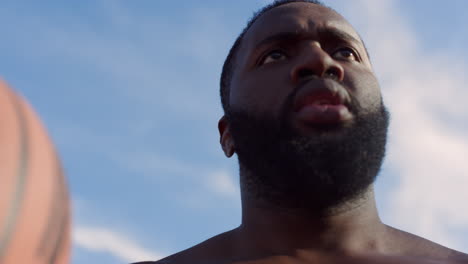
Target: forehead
[[295, 17]]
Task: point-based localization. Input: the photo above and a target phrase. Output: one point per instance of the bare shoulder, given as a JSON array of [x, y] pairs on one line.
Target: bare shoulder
[[459, 258], [172, 259], [407, 244], [162, 261], [207, 252], [177, 258], [181, 257], [152, 262]]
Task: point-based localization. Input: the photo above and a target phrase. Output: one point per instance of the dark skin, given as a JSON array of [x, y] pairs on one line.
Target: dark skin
[[323, 43]]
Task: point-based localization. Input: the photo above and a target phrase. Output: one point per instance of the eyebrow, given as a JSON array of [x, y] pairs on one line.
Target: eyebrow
[[332, 33]]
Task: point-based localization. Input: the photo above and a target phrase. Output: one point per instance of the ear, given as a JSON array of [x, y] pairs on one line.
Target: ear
[[225, 137]]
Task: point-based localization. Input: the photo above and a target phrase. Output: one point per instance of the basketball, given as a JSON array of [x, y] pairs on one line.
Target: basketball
[[34, 201]]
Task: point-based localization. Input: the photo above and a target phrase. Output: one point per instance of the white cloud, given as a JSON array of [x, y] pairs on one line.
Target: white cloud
[[423, 90], [221, 183], [218, 182], [108, 241], [135, 55], [152, 164]]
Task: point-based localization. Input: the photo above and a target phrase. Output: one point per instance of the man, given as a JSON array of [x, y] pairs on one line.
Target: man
[[305, 116]]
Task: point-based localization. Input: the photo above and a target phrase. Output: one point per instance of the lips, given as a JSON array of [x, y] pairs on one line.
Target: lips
[[322, 102], [319, 97]]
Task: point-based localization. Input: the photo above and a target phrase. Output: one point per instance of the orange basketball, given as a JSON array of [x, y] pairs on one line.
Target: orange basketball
[[34, 202]]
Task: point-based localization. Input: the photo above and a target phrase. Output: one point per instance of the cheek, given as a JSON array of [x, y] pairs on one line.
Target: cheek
[[366, 89], [260, 91]]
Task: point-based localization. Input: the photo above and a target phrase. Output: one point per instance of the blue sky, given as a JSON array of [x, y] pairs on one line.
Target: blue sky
[[129, 93]]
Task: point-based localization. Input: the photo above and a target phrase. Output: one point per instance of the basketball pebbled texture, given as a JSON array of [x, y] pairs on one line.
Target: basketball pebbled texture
[[34, 200]]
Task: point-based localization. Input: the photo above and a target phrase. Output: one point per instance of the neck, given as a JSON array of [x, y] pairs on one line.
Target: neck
[[349, 228]]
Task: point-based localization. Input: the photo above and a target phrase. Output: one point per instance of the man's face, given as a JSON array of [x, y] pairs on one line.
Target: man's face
[[306, 115], [289, 45]]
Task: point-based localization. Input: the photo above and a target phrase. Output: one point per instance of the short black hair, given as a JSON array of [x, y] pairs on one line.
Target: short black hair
[[228, 67]]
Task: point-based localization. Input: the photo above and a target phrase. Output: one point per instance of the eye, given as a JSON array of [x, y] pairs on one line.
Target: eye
[[346, 54], [272, 56]]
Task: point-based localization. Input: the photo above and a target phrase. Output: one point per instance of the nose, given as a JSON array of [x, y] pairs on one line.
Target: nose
[[316, 62]]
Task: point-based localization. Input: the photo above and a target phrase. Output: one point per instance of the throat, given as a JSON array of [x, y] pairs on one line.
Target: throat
[[351, 229]]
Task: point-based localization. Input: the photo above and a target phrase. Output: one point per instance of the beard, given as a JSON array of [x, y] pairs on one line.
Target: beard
[[319, 171]]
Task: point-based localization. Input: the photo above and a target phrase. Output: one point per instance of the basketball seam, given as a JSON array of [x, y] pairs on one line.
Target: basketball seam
[[50, 222], [64, 219], [54, 236], [18, 195]]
